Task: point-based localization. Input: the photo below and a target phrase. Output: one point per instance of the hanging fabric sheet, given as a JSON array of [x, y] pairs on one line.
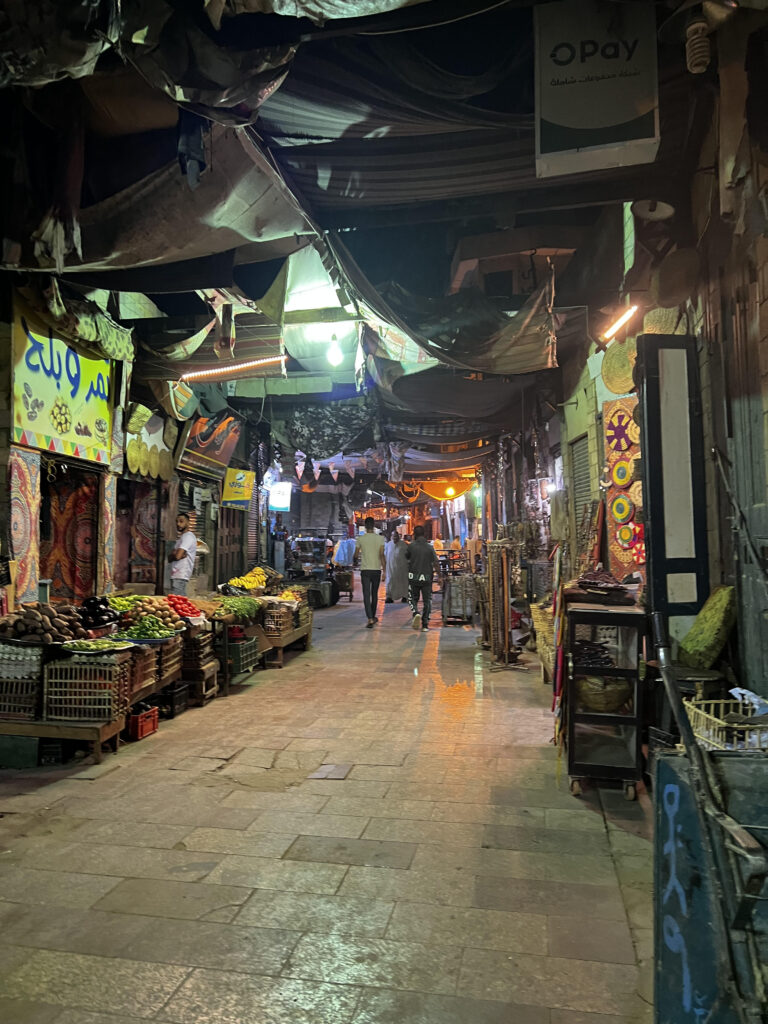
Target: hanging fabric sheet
[[24, 479]]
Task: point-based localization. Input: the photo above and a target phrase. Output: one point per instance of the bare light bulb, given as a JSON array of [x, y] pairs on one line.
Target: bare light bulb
[[333, 354]]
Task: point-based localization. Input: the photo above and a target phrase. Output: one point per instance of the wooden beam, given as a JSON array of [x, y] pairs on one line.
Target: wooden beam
[[333, 315]]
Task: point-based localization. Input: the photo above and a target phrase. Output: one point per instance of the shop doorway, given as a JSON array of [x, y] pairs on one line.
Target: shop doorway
[[136, 533], [69, 530], [229, 544]]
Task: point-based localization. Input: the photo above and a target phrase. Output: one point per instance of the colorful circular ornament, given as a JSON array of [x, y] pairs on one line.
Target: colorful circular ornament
[[626, 536], [638, 553], [634, 432], [617, 431], [622, 508], [636, 494], [621, 474]]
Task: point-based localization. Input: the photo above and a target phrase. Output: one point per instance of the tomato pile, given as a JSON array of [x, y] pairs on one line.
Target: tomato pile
[[182, 606]]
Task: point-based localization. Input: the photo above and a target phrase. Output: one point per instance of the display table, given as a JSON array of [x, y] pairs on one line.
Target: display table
[[94, 733], [279, 643]]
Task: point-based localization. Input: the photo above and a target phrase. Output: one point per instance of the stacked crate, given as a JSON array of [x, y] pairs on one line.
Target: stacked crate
[[20, 675], [196, 652], [278, 619], [83, 688], [144, 667], [169, 661]]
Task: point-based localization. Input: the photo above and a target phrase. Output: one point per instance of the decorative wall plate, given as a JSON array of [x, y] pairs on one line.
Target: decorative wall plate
[[626, 536], [622, 509], [133, 455], [621, 473], [618, 363], [616, 431], [634, 432], [636, 494]]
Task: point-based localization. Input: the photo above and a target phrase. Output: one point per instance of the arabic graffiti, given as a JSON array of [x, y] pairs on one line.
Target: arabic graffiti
[[42, 357], [675, 904]]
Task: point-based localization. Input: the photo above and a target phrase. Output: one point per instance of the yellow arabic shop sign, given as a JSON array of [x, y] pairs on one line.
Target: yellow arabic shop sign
[[238, 488], [62, 402]]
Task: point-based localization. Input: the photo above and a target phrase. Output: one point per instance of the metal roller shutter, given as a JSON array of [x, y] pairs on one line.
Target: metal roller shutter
[[582, 484]]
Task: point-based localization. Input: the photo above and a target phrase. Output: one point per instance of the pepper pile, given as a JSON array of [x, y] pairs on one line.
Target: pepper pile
[[150, 627], [182, 606], [243, 608]]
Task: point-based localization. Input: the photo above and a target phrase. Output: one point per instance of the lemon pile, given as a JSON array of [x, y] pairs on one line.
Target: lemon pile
[[254, 579], [291, 595]]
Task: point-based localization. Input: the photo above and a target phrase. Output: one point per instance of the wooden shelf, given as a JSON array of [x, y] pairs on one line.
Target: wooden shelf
[[95, 733]]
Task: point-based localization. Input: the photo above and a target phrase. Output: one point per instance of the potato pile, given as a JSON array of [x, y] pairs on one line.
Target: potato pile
[[157, 606], [42, 624]]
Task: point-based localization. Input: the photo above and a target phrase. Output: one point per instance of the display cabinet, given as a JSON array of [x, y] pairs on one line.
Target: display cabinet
[[603, 698]]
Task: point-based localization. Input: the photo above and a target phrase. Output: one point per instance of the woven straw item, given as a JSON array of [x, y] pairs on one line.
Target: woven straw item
[[618, 363], [596, 693]]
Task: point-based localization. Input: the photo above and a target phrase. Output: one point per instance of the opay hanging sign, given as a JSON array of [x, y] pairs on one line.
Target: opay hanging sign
[[238, 488], [597, 101], [62, 401]]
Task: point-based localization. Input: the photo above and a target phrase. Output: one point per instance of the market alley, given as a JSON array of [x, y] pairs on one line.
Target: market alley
[[441, 873]]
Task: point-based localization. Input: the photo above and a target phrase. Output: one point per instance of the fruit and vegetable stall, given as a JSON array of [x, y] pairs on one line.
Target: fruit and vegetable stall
[[117, 665]]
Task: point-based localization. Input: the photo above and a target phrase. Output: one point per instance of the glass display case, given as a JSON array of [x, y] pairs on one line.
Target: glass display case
[[604, 649]]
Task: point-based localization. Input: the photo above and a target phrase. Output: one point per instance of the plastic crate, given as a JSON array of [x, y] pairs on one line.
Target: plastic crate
[[144, 667], [19, 699], [143, 724], [710, 729], [172, 700], [17, 662], [244, 656], [84, 688]]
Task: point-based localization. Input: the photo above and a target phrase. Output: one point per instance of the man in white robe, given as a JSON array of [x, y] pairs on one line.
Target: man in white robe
[[397, 570]]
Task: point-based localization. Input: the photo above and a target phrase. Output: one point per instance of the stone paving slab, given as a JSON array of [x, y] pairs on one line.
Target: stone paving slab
[[449, 877], [349, 960], [309, 912], [415, 1008], [220, 997], [352, 851], [289, 876], [184, 900], [93, 983]]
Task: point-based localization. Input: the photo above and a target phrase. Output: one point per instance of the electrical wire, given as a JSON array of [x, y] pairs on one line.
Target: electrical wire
[[439, 24]]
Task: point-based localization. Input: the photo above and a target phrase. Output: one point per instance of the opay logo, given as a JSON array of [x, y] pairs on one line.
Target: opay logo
[[585, 50]]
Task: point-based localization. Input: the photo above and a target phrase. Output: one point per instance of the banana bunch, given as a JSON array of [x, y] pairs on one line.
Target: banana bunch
[[291, 595], [255, 579]]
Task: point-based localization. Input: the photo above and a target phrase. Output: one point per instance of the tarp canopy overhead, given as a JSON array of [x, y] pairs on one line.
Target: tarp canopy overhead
[[399, 461], [317, 10], [240, 201], [44, 41], [329, 339], [336, 92], [442, 392], [466, 330], [323, 428]]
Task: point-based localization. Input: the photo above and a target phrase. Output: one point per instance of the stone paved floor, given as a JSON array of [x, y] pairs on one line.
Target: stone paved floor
[[202, 878]]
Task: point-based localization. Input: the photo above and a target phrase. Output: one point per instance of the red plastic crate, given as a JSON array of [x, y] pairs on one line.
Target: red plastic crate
[[143, 724]]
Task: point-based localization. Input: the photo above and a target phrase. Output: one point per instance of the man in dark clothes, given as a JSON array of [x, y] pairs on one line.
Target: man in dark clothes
[[422, 563]]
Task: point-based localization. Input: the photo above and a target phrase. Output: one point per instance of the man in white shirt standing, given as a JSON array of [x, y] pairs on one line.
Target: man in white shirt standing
[[370, 547], [183, 556]]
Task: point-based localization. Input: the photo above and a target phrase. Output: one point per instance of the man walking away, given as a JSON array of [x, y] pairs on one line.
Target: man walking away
[[423, 562], [397, 570], [183, 556], [372, 562]]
